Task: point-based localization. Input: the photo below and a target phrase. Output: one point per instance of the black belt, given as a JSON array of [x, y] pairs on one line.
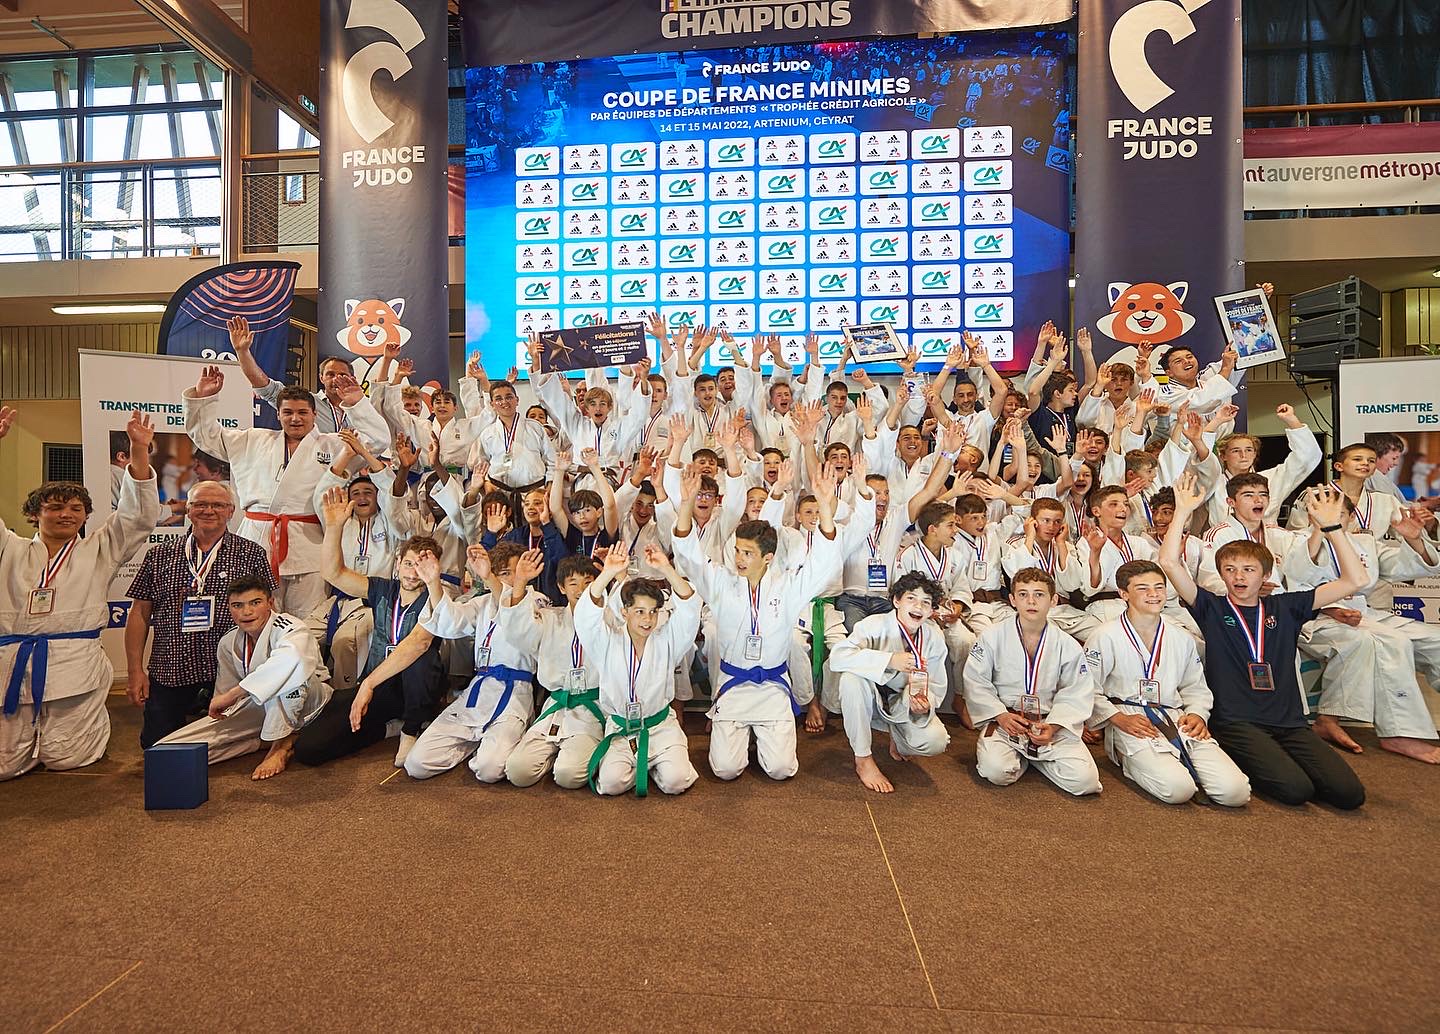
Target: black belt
[[1080, 601], [989, 595]]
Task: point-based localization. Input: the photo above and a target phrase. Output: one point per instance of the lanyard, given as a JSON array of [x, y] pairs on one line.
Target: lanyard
[[397, 619], [874, 540], [1149, 517], [597, 439], [936, 570], [830, 425], [589, 548], [1077, 516], [1046, 557], [650, 426], [362, 550], [200, 563], [1256, 642], [53, 565], [577, 652], [337, 414], [509, 432], [1362, 519], [755, 610], [486, 644], [285, 463], [636, 659], [710, 421], [977, 545], [1150, 660], [915, 643], [1123, 546], [1032, 664], [247, 653]]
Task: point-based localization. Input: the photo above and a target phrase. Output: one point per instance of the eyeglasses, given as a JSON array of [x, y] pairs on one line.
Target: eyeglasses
[[704, 495], [210, 506]]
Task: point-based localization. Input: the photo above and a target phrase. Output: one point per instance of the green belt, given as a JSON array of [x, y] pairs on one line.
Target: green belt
[[641, 731], [817, 639], [564, 699]]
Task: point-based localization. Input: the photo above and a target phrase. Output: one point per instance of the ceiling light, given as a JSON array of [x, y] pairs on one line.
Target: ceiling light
[[107, 309], [1072, 281], [1435, 272]]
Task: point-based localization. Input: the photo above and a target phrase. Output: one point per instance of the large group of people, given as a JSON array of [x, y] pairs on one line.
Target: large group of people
[[1085, 555]]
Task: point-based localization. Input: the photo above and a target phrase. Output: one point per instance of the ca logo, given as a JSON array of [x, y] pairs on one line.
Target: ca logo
[[782, 184], [731, 285], [682, 252], [731, 153], [633, 221], [1139, 83], [882, 178], [537, 291], [391, 18], [633, 156], [537, 162], [883, 246], [585, 257], [632, 288], [782, 249], [883, 314], [832, 282], [935, 279]]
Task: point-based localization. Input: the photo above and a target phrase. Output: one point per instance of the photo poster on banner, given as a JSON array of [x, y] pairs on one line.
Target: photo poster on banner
[[1399, 397], [599, 347], [112, 385], [782, 189]]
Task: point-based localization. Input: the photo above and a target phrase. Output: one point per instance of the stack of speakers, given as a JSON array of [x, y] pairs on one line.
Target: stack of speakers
[[1331, 323]]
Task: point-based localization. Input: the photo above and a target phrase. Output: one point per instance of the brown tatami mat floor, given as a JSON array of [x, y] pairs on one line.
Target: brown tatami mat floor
[[349, 898]]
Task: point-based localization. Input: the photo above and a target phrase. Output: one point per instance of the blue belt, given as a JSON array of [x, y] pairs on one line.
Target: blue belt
[[758, 675], [332, 619], [1161, 721], [501, 673], [38, 648], [451, 579]]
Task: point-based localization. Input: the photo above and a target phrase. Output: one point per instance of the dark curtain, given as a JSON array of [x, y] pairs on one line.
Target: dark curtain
[[1337, 51]]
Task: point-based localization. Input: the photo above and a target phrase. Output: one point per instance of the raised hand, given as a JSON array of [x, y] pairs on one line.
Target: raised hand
[[427, 566], [405, 454], [349, 390], [141, 433], [655, 557], [1082, 340], [679, 428], [590, 458], [7, 420], [862, 378], [210, 382], [392, 348], [859, 467], [1267, 287], [497, 517], [1047, 332], [656, 326], [477, 561], [528, 566], [747, 434], [1145, 401], [690, 481], [956, 357], [1188, 495], [645, 465], [1093, 536], [1326, 506], [335, 506], [824, 482], [1058, 439], [563, 460], [618, 559], [786, 476], [240, 336], [1228, 359], [353, 445], [406, 367]]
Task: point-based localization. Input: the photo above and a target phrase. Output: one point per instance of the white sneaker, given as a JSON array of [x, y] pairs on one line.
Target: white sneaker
[[406, 742]]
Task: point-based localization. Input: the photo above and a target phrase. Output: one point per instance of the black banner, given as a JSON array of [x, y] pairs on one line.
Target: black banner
[[1158, 212], [513, 32], [593, 348], [383, 204]]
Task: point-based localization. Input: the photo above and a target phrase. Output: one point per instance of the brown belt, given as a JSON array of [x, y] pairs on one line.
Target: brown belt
[[989, 595], [1080, 601]]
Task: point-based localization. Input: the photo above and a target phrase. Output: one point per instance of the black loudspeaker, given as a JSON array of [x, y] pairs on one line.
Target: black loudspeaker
[[1350, 293]]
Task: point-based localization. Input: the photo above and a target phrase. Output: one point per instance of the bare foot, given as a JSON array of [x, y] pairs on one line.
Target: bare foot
[[871, 776], [276, 760], [1410, 747], [895, 752], [815, 717], [1327, 728], [965, 717]]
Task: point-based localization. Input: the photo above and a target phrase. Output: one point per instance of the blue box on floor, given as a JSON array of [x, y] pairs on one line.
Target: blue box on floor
[[177, 775]]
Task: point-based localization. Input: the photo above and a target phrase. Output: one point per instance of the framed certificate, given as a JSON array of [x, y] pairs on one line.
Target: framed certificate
[[1249, 327], [873, 343]]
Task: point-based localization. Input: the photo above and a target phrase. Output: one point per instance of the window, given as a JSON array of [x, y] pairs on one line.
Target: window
[[63, 463]]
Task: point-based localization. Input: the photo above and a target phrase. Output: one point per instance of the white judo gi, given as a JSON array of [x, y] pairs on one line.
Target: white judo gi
[[1369, 669], [54, 676], [1112, 558], [984, 559], [489, 716], [1060, 691], [629, 755], [276, 494], [949, 570], [874, 696], [286, 685], [1071, 620], [1304, 453], [754, 693], [569, 726], [1155, 764]]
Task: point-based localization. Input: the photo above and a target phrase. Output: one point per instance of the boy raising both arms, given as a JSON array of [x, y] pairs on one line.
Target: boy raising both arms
[[1028, 685], [1259, 715], [636, 664], [892, 678]]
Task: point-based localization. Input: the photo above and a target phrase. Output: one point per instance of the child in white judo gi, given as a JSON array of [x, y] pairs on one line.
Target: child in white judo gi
[[54, 600], [490, 715], [755, 609], [1030, 691], [270, 682], [1152, 699], [892, 670], [636, 657]]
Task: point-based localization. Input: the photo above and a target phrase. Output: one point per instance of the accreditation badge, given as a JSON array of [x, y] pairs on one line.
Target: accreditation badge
[[917, 683], [979, 571], [482, 657], [1030, 707], [42, 601], [197, 613], [753, 645], [876, 576], [1150, 690], [575, 680]]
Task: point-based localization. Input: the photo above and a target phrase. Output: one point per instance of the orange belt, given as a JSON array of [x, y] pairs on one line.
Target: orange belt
[[280, 534]]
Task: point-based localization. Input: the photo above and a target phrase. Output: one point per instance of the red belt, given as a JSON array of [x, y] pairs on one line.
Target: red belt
[[280, 534]]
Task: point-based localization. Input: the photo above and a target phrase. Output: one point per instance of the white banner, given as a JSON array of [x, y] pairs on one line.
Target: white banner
[[1399, 395], [1389, 165], [112, 384]]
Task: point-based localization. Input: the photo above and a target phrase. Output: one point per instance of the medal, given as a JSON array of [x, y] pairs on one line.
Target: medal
[[482, 649], [42, 597], [754, 642], [576, 676], [917, 682], [1030, 702]]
